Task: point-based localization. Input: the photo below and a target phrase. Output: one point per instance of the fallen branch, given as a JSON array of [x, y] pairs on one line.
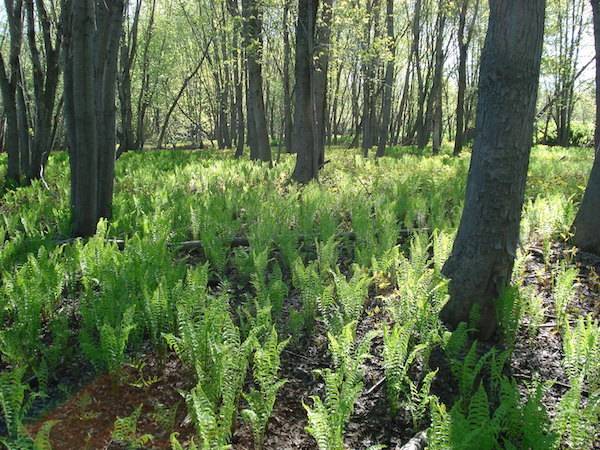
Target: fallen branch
[[419, 442], [236, 242]]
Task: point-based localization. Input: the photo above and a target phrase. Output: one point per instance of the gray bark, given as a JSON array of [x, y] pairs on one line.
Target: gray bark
[[260, 148], [587, 222], [312, 62], [465, 37], [389, 81], [92, 32], [482, 258]]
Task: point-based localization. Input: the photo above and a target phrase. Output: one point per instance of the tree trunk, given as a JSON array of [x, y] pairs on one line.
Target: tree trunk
[[389, 81], [45, 77], [438, 81], [587, 222], [464, 41], [287, 97], [128, 54], [260, 148], [303, 141], [92, 32], [482, 258], [312, 63]]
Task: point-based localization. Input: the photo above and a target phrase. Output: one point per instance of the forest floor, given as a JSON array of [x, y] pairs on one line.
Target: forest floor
[[87, 419], [68, 308]]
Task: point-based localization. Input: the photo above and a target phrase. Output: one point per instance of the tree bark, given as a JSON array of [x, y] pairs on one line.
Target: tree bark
[[287, 97], [260, 148], [464, 42], [587, 222], [45, 75], [303, 141], [92, 31], [312, 62], [128, 54], [438, 81], [482, 258], [389, 81]]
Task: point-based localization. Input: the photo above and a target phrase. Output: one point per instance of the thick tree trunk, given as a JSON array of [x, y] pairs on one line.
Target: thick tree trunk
[[482, 258], [312, 62], [587, 222], [260, 148], [303, 141], [92, 33], [389, 81]]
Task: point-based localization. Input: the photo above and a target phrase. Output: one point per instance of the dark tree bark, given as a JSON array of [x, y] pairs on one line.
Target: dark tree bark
[[389, 81], [92, 29], [587, 222], [438, 81], [303, 141], [128, 54], [143, 102], [482, 258], [260, 148], [287, 97], [45, 75], [465, 37], [369, 138], [17, 138], [312, 61]]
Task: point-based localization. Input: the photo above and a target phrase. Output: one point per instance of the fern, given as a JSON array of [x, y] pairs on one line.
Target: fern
[[581, 346], [125, 431], [308, 281], [210, 343], [343, 302], [564, 292], [398, 357], [575, 425], [261, 401], [328, 416], [509, 311]]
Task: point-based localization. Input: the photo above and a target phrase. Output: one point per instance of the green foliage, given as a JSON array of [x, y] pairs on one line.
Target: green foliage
[[342, 302], [581, 346], [509, 311], [210, 343], [564, 292], [125, 431], [420, 292], [307, 280], [577, 425], [28, 300], [266, 365], [328, 416]]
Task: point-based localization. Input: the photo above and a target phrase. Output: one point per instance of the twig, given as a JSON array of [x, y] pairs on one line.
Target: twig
[[375, 387]]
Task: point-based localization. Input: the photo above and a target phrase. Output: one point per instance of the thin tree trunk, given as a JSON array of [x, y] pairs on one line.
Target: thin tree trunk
[[287, 97], [437, 117], [389, 81], [464, 43]]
